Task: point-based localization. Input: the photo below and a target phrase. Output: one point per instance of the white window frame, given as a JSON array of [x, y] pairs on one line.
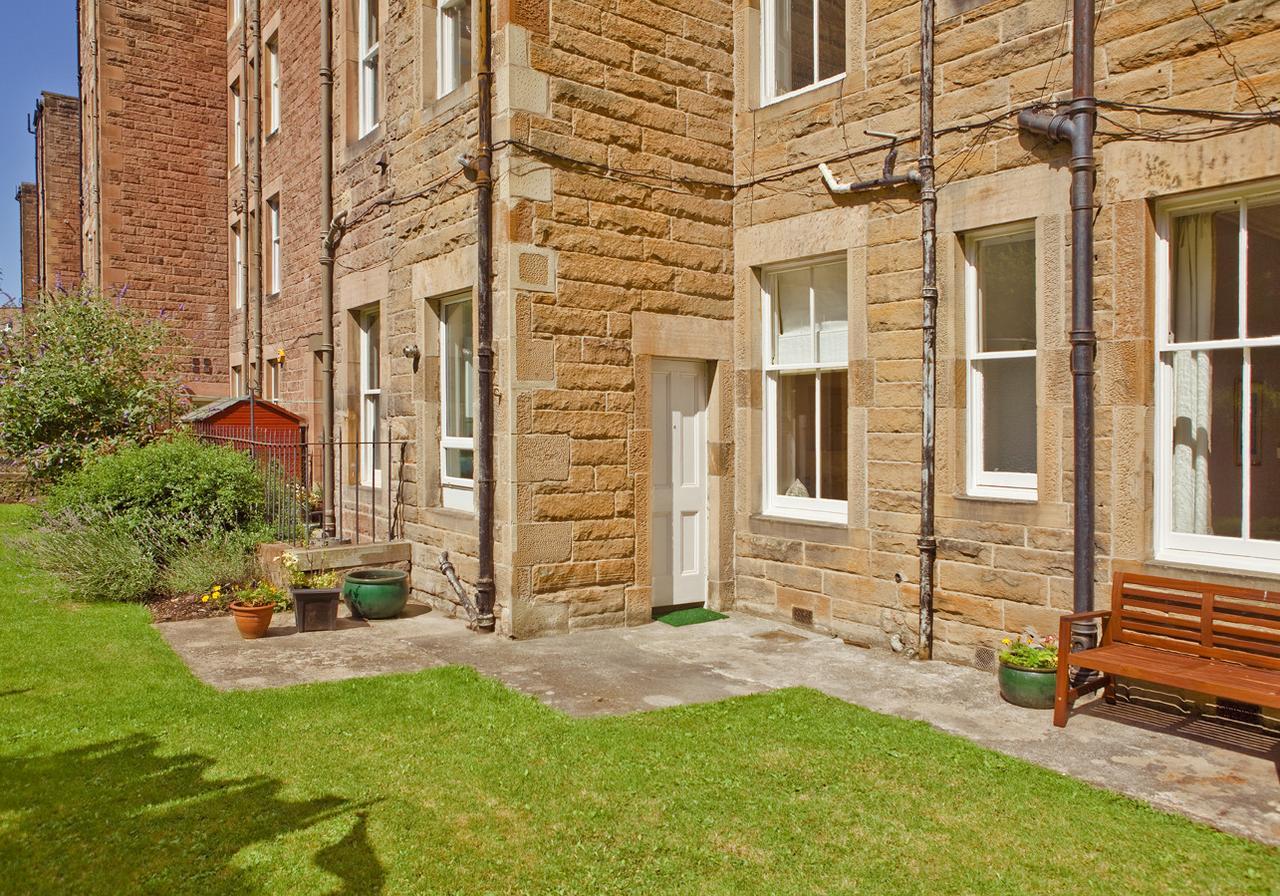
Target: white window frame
[[237, 380], [273, 222], [456, 493], [370, 397], [237, 234], [370, 97], [769, 55], [812, 509], [983, 483], [237, 125], [449, 60], [1222, 551], [273, 83]]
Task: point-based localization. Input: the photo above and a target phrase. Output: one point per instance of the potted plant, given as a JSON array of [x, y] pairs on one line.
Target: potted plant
[[315, 595], [1028, 671], [376, 593], [253, 604]]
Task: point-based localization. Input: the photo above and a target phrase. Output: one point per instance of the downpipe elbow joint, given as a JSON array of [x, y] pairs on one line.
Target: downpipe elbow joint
[[1058, 127]]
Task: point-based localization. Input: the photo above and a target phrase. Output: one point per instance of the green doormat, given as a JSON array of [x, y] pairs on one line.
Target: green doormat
[[691, 616]]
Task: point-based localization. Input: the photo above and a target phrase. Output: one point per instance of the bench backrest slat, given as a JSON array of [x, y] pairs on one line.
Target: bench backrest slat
[[1202, 619]]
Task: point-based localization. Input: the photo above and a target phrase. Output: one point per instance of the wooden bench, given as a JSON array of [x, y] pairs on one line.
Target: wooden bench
[[1210, 639]]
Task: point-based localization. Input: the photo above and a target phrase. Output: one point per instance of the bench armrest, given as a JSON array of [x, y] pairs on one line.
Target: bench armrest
[[1064, 629], [1092, 614]]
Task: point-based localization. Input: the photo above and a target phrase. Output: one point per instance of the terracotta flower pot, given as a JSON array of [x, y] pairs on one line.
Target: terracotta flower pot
[[253, 622]]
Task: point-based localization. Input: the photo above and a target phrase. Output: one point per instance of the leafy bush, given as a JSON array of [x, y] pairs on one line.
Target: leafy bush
[[96, 557], [183, 489], [197, 567], [80, 374]]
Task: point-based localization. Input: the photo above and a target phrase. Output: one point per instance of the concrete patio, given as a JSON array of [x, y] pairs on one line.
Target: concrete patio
[[1225, 775]]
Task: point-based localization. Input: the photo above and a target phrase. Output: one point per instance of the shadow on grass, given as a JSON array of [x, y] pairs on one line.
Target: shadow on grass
[[119, 817]]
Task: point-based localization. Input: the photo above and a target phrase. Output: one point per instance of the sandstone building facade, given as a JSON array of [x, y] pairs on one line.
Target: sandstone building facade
[[708, 364]]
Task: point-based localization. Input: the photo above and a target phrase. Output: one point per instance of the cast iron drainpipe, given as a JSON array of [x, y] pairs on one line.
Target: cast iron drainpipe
[[246, 382], [923, 177], [253, 72], [1076, 125], [328, 249], [927, 542], [485, 587]]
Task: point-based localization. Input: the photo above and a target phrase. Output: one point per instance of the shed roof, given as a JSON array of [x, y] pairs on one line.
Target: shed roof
[[225, 406]]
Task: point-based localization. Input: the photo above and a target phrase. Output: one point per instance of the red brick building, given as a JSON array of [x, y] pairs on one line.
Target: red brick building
[[57, 127], [154, 174], [29, 234]]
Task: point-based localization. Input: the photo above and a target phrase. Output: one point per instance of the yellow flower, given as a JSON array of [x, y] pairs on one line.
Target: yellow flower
[[1007, 641], [204, 597]]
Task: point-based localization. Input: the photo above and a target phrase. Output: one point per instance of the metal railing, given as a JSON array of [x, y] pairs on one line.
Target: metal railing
[[368, 483]]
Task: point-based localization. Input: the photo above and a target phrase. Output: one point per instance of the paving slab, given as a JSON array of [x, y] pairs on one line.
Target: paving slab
[[1226, 775]]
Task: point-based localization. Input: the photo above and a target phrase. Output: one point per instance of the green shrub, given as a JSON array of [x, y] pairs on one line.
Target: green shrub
[[181, 489], [219, 559], [82, 372], [97, 558]]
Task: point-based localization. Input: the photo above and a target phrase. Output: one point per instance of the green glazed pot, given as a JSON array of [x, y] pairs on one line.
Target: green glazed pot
[[376, 593], [1032, 688]]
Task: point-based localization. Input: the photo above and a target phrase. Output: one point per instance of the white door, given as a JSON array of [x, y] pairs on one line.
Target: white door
[[679, 547]]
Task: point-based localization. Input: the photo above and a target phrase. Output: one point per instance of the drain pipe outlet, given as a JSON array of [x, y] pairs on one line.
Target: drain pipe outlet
[[891, 180], [451, 574]]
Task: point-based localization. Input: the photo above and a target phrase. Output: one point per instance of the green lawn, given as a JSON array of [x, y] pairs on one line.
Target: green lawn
[[120, 773]]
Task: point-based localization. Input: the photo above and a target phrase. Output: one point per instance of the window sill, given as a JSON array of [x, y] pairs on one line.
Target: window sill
[[774, 515], [357, 147], [450, 101], [1041, 512], [1217, 564], [805, 96], [272, 296], [1001, 496], [835, 534], [455, 511]]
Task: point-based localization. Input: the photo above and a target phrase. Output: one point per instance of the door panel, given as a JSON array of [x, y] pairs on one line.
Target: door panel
[[679, 504]]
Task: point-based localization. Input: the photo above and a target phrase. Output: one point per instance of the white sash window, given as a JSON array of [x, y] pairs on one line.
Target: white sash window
[[371, 458], [453, 45], [803, 46], [1217, 381], [806, 363], [368, 40], [1000, 356], [457, 402]]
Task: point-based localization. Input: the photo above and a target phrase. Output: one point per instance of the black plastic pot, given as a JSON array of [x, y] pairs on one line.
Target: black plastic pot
[[315, 609]]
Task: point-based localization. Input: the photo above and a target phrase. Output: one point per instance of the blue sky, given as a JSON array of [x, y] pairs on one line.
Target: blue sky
[[37, 52]]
